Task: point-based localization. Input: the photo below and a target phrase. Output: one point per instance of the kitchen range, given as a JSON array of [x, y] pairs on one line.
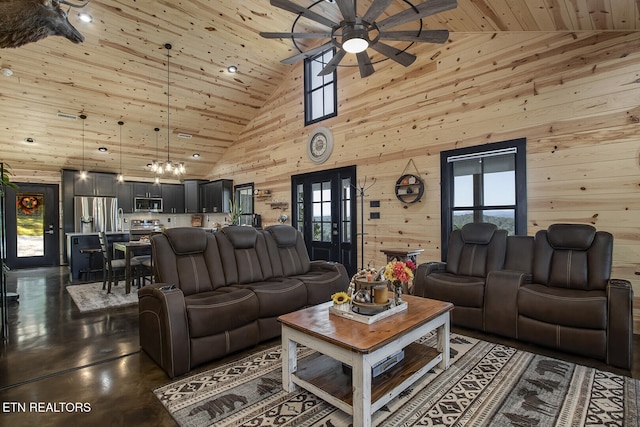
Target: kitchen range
[[144, 227]]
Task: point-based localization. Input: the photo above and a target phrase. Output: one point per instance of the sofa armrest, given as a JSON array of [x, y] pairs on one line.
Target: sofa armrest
[[421, 273], [164, 330], [500, 314], [620, 324], [325, 265]]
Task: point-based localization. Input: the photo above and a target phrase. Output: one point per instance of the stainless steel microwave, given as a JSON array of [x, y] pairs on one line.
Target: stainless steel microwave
[[148, 204]]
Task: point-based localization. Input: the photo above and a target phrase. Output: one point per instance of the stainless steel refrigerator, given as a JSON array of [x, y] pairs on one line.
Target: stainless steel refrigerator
[[93, 214]]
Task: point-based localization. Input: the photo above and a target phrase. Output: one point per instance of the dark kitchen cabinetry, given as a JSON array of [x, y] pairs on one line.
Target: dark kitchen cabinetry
[[146, 189], [216, 195], [95, 184], [173, 198], [125, 196], [192, 195]]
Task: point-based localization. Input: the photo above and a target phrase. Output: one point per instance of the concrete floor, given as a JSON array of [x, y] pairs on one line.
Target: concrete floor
[[55, 355]]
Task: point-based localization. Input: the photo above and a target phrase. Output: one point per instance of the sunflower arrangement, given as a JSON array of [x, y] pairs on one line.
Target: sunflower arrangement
[[340, 298]]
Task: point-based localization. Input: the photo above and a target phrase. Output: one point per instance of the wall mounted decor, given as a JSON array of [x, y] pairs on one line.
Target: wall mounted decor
[[409, 187], [320, 145]]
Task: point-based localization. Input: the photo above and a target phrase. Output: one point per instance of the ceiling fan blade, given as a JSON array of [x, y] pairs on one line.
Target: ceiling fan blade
[[391, 52], [429, 36], [307, 54], [295, 35], [376, 9], [333, 64], [347, 9], [364, 63], [301, 10], [427, 8]]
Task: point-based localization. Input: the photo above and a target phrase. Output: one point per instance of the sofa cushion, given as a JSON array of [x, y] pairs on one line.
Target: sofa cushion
[[479, 233], [578, 237], [323, 280], [287, 251], [218, 311], [476, 250], [466, 291], [284, 235], [244, 255], [186, 241], [563, 307], [241, 237], [277, 296]]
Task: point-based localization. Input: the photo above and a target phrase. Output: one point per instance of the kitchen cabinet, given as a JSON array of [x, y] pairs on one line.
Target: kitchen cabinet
[[125, 196], [216, 195], [95, 184], [192, 195], [146, 189], [173, 198]]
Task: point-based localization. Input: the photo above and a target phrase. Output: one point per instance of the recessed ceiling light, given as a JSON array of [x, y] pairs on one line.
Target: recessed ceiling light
[[7, 72], [85, 17], [195, 155], [102, 149], [30, 140], [232, 68]]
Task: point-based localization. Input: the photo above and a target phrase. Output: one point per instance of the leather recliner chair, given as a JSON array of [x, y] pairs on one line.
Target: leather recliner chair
[[571, 303], [474, 251]]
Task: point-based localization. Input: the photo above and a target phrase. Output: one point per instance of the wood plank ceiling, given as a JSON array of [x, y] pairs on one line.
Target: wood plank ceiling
[[120, 73]]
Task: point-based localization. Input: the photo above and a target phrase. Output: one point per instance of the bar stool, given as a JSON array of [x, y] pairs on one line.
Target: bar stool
[[90, 270]]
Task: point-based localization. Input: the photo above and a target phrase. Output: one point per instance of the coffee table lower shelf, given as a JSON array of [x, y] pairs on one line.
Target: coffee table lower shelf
[[325, 377]]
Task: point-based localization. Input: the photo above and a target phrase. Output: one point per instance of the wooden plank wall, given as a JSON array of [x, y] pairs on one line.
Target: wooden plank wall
[[575, 96]]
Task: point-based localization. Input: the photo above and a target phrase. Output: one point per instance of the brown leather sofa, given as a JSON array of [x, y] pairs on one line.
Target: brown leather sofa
[[217, 293], [555, 290]]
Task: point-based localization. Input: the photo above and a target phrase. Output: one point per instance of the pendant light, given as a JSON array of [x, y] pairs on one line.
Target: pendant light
[[120, 175], [169, 167], [83, 172], [156, 166]]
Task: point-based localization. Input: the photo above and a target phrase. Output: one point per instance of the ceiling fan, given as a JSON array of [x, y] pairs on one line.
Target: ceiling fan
[[355, 34]]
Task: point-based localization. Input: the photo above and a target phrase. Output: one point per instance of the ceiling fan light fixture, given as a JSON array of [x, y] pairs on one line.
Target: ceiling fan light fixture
[[85, 17], [355, 40]]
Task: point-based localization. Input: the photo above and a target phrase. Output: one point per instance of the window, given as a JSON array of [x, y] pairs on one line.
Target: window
[[486, 183], [244, 196], [320, 92]]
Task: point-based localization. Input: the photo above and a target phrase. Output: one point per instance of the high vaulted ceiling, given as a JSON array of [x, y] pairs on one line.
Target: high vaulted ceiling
[[120, 73]]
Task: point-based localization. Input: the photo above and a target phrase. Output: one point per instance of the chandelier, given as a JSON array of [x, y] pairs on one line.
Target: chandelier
[[167, 167]]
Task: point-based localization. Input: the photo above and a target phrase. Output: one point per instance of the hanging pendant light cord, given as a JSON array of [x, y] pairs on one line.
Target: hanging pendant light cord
[[121, 123], [83, 117], [168, 46]]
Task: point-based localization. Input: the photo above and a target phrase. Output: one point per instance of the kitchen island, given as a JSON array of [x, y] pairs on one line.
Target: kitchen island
[[81, 262]]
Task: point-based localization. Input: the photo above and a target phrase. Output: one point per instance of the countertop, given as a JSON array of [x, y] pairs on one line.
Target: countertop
[[95, 234]]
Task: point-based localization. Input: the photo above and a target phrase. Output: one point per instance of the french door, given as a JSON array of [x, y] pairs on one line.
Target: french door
[[324, 210], [32, 226]]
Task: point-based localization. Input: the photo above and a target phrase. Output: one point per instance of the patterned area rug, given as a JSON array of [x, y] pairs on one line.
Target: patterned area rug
[[486, 385], [91, 297]]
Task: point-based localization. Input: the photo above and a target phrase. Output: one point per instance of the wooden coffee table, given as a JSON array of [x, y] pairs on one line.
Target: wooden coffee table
[[361, 346]]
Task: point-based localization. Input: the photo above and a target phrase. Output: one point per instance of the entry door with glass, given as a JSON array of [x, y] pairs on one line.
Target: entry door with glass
[[32, 226], [324, 212]]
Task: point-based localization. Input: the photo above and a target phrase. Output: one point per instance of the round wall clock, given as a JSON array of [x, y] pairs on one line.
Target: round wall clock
[[320, 145]]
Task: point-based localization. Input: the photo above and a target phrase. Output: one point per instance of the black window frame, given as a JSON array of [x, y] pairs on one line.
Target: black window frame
[[446, 195], [246, 218], [310, 91]]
